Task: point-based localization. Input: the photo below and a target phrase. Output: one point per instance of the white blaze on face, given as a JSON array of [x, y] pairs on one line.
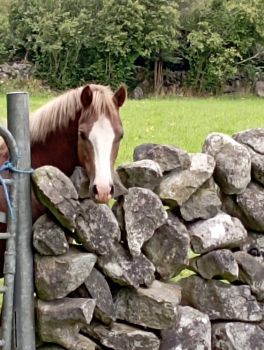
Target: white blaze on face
[[102, 137]]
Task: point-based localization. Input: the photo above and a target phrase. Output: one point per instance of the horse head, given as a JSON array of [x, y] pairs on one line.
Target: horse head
[[99, 134]]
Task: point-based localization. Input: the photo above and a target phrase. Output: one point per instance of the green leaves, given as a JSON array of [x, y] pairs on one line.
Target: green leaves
[[103, 40]]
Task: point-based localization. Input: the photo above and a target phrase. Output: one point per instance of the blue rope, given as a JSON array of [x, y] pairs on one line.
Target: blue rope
[[9, 166]]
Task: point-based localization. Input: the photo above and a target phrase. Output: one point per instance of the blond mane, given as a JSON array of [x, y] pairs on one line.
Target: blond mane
[[57, 113]]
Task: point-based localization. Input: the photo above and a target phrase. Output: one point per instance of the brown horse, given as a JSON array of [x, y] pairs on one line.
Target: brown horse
[[81, 127]]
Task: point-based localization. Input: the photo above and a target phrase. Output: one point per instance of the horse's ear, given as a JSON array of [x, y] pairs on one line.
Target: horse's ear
[[120, 96], [86, 96]]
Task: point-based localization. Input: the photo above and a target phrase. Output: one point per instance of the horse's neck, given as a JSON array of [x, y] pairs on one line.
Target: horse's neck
[[59, 149]]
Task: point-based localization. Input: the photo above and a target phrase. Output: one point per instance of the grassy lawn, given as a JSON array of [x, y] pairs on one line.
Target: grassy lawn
[[184, 122]]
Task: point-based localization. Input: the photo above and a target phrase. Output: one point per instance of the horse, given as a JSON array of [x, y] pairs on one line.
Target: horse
[[81, 127]]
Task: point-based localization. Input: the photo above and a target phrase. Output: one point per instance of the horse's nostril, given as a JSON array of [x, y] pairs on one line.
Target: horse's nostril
[[112, 190], [95, 191]]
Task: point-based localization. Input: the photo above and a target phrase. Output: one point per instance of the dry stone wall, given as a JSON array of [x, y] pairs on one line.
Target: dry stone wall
[[114, 288], [21, 71]]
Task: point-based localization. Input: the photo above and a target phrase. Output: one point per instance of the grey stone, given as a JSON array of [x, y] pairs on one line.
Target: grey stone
[[254, 138], [123, 337], [60, 322], [237, 336], [221, 231], [99, 290], [251, 272], [138, 93], [48, 237], [259, 88], [119, 188], [144, 173], [192, 331], [233, 162], [254, 245], [203, 204], [119, 213], [82, 183], [96, 227], [220, 301], [251, 203], [168, 248], [57, 276], [144, 213], [154, 307], [230, 206], [257, 168], [178, 186], [218, 263], [168, 157], [50, 347], [56, 191], [124, 269]]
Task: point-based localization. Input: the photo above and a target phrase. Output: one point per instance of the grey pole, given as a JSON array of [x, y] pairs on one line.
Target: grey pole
[[18, 124]]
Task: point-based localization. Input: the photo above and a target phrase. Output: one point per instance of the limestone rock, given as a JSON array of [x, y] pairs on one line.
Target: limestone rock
[[138, 93], [203, 204], [96, 227], [220, 301], [251, 272], [259, 88], [124, 269], [168, 248], [144, 213], [48, 237], [237, 336], [257, 169], [221, 231], [178, 186], [154, 307], [119, 213], [251, 203], [81, 182], [57, 276], [144, 173], [230, 206], [50, 347], [60, 321], [123, 337], [168, 157], [119, 188], [218, 263], [233, 162], [192, 331], [254, 138], [254, 246], [56, 191], [99, 290]]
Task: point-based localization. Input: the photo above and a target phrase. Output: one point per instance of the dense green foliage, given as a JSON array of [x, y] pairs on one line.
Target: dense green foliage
[[105, 41]]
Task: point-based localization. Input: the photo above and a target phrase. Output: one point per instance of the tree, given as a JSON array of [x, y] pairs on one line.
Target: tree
[[161, 34]]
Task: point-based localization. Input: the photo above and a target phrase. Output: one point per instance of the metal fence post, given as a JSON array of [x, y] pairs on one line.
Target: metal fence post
[[18, 124]]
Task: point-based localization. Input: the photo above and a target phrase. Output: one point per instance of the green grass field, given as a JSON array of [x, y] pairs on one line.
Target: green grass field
[[184, 122]]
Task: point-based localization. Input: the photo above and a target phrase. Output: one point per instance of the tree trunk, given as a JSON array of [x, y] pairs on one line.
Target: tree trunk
[[158, 75]]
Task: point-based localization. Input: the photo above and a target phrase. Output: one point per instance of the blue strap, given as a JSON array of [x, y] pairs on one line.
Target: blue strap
[[9, 166]]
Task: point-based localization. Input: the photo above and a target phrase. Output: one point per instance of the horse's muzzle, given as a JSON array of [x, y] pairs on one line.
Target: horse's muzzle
[[102, 193]]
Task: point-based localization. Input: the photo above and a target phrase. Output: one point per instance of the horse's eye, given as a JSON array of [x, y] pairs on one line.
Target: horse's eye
[[82, 135]]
